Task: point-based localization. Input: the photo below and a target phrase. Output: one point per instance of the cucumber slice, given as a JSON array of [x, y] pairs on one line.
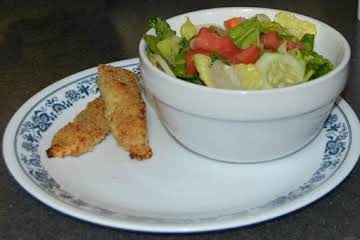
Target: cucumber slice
[[223, 76], [281, 70], [202, 64], [249, 76]]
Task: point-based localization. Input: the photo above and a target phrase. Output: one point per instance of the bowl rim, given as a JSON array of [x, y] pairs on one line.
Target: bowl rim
[[318, 81]]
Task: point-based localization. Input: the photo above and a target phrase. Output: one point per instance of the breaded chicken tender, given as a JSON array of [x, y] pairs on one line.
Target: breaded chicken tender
[[125, 109], [88, 128]]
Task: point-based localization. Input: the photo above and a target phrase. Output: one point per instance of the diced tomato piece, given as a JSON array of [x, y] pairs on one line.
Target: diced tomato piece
[[230, 54], [292, 45], [271, 40], [209, 42], [189, 63], [212, 42], [246, 56], [232, 22]]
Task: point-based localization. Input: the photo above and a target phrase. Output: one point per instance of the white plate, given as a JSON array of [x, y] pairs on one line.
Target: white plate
[[177, 190]]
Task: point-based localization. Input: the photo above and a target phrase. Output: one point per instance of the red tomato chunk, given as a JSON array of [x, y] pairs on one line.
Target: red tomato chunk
[[232, 22], [247, 55], [213, 43], [271, 40], [292, 45], [189, 63]]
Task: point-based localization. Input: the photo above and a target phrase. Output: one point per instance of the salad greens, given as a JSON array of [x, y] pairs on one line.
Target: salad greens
[[162, 28], [254, 53], [203, 65], [188, 30], [246, 33], [295, 26], [316, 65]]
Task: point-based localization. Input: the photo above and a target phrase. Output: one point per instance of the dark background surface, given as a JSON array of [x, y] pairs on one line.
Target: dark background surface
[[44, 41]]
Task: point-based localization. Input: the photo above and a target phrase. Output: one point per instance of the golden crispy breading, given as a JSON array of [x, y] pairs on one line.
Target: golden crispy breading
[[88, 128], [125, 109]]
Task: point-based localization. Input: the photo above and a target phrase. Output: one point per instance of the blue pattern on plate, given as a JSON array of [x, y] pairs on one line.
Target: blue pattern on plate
[[41, 117], [338, 136]]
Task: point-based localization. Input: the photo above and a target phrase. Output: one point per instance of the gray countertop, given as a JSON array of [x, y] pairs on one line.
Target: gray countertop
[[42, 42]]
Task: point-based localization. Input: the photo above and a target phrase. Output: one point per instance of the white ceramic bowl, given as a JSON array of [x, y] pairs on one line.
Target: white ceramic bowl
[[247, 126]]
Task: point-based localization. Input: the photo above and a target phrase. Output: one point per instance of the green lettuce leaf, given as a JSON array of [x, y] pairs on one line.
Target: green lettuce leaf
[[165, 43], [317, 65], [151, 42], [246, 33], [266, 26], [180, 64], [169, 48], [187, 29], [179, 68], [308, 41], [262, 18], [203, 65], [162, 28]]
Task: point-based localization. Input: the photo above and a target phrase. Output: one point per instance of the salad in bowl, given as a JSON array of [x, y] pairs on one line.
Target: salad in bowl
[[243, 84], [242, 53]]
